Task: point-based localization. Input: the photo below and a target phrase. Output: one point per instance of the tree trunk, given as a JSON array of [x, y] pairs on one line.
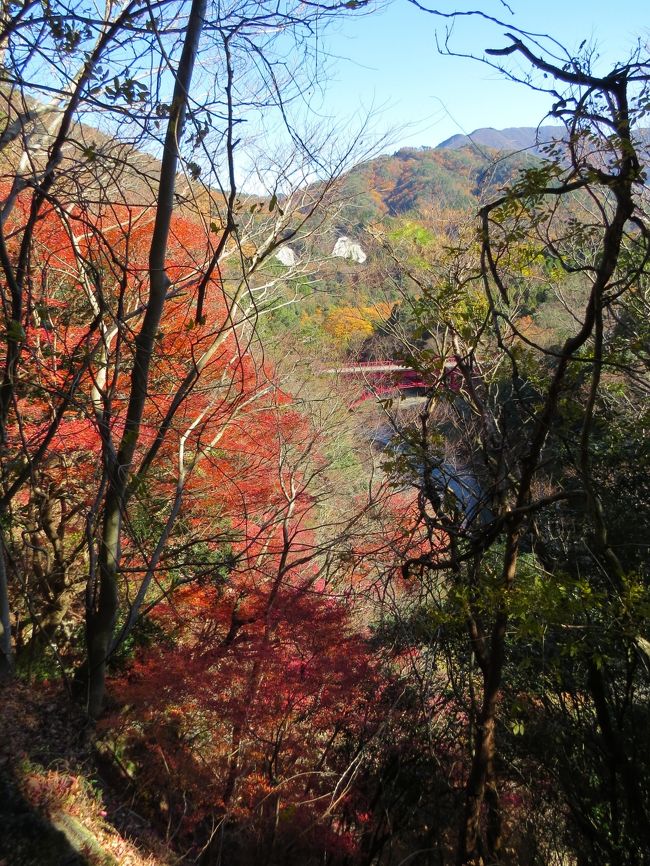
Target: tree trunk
[[471, 848], [103, 610], [481, 786], [6, 651], [100, 620]]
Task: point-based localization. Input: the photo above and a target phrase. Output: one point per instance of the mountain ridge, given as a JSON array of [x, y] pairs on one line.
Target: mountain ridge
[[533, 139], [512, 138]]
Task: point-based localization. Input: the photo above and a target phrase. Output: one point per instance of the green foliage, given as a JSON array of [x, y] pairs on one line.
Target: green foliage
[[412, 232]]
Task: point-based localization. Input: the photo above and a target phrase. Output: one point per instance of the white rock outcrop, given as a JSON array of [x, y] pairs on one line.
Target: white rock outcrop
[[345, 248], [287, 257]]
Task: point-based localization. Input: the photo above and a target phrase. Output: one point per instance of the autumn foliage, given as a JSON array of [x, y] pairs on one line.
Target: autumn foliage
[[247, 698]]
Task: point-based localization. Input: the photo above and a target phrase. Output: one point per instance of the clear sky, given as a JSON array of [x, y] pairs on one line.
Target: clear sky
[[388, 59]]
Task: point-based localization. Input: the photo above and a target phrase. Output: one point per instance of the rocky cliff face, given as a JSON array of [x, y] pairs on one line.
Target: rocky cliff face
[[345, 248], [287, 257]]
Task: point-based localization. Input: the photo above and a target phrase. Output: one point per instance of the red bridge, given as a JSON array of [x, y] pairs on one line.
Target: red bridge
[[388, 377]]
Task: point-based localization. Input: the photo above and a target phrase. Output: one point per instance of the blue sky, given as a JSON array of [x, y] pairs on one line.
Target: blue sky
[[388, 59]]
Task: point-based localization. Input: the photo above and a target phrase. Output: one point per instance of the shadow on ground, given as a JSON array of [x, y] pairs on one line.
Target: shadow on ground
[[26, 837]]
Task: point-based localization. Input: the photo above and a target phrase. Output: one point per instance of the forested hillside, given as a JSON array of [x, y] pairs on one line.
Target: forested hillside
[[415, 180], [323, 508]]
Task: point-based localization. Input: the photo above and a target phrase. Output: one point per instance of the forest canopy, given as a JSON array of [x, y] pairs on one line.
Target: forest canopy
[[310, 556]]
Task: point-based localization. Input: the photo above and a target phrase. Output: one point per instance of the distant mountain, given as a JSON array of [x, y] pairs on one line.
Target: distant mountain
[[531, 139], [515, 138]]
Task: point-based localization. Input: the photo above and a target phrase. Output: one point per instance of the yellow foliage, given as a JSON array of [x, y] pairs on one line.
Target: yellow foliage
[[348, 323]]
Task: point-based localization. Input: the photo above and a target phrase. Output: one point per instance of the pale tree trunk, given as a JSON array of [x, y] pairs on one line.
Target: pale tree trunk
[[103, 606]]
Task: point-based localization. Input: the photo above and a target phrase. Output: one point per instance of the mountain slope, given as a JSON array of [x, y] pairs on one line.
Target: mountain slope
[[455, 175], [416, 180]]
